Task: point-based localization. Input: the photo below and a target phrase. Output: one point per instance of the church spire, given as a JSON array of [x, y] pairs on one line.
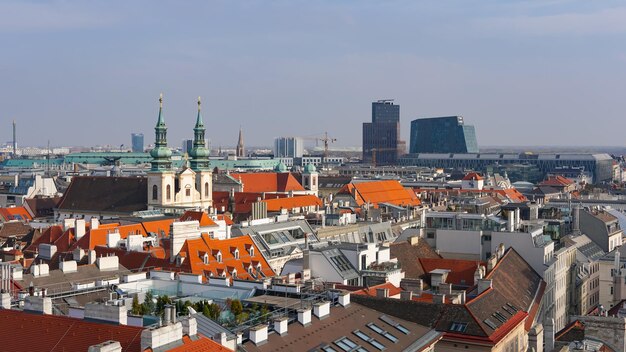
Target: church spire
[[161, 153], [240, 148], [199, 153]]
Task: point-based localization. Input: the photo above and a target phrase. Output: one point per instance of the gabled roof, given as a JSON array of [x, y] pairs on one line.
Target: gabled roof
[[384, 191], [372, 290], [461, 271], [55, 333], [274, 205], [408, 256], [15, 213], [242, 200], [41, 207], [14, 228], [199, 216], [193, 248], [270, 182], [106, 194], [472, 176], [556, 181], [200, 345]]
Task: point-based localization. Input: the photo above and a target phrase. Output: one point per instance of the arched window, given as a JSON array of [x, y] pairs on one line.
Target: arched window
[[155, 191], [169, 191], [206, 189]]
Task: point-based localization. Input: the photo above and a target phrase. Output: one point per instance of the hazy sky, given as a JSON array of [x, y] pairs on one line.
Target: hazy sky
[[523, 72]]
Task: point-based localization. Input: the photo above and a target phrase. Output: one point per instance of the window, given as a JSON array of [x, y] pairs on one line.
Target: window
[[346, 344], [251, 251], [391, 322], [188, 192], [168, 192], [370, 340], [236, 253], [458, 327], [155, 192], [218, 256], [382, 332], [206, 189]]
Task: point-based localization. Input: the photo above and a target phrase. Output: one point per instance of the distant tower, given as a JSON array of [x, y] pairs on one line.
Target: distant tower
[[310, 179], [240, 149], [161, 178], [14, 141], [200, 162]]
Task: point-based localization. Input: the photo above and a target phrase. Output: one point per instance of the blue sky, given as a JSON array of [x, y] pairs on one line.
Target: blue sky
[[523, 72]]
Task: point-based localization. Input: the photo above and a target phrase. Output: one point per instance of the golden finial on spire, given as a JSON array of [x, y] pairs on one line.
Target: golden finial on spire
[[199, 103], [161, 100]]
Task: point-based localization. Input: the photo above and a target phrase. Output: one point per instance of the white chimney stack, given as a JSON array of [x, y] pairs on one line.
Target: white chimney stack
[[344, 299], [321, 309], [304, 316], [258, 334], [79, 228], [280, 325]]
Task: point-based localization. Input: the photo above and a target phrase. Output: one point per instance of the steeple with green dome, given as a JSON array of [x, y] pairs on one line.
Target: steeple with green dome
[[161, 154], [199, 153]]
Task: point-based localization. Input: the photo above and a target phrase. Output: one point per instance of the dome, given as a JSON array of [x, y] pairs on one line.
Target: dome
[[199, 153], [280, 167], [309, 169], [161, 153]]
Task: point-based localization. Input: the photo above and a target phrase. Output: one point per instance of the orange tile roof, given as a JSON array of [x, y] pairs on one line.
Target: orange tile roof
[[201, 345], [55, 333], [242, 202], [194, 250], [511, 193], [557, 180], [461, 271], [376, 192], [15, 213], [270, 182], [371, 291], [200, 216], [227, 219], [292, 202], [473, 176]]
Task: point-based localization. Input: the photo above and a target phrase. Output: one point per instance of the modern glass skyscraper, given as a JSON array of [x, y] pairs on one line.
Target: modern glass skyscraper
[[137, 142], [442, 135], [288, 147], [381, 137]]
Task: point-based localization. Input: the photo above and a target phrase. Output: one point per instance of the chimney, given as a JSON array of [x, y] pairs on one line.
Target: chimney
[[382, 292], [258, 334], [500, 251], [304, 316], [549, 334], [414, 240], [107, 346], [491, 262], [510, 221], [190, 326], [167, 315], [445, 288], [280, 325], [406, 295], [173, 314], [478, 273], [321, 309], [111, 313], [414, 285], [484, 285], [5, 300], [68, 224], [439, 298], [79, 228], [38, 304], [344, 299], [68, 267], [91, 257], [617, 261], [95, 223]]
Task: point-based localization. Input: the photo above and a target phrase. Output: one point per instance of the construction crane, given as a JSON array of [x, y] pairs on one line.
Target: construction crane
[[326, 140], [376, 150]]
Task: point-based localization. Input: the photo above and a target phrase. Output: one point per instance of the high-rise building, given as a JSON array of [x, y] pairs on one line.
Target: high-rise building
[[186, 146], [442, 135], [381, 137], [288, 147], [137, 142]]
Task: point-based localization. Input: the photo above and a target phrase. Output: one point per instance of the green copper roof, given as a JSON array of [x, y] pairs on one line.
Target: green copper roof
[[199, 153], [280, 167], [309, 169]]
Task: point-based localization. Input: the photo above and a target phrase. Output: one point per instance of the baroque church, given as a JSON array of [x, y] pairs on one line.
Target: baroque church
[[192, 187]]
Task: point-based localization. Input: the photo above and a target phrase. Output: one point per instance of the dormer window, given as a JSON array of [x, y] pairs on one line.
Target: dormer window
[[218, 257], [236, 253], [205, 258], [234, 273], [251, 251]]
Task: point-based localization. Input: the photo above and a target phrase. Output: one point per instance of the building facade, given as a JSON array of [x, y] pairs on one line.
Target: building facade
[[442, 135], [381, 137], [288, 147], [137, 142]]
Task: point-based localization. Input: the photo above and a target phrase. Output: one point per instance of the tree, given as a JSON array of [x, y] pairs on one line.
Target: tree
[[214, 311], [236, 307], [148, 303], [162, 301], [137, 308]]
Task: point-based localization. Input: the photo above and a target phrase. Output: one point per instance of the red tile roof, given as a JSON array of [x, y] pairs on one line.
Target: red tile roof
[[242, 202], [57, 333], [556, 181], [200, 216], [201, 345], [15, 213], [371, 291], [292, 202], [376, 192], [461, 271], [194, 251], [227, 219], [473, 176], [270, 182]]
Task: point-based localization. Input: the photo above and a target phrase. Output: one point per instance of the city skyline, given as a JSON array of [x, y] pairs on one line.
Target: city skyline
[[287, 69]]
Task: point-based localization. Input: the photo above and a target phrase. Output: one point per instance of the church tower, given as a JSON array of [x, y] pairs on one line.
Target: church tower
[[161, 176], [200, 163], [310, 179], [240, 148]]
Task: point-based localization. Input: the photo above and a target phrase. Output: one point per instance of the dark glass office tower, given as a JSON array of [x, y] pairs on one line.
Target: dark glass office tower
[[381, 137], [442, 135], [137, 142]]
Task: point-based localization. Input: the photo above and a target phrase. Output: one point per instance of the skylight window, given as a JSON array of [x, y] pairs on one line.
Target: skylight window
[[490, 324], [346, 344], [382, 332], [500, 317], [391, 322], [458, 327], [372, 341]]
